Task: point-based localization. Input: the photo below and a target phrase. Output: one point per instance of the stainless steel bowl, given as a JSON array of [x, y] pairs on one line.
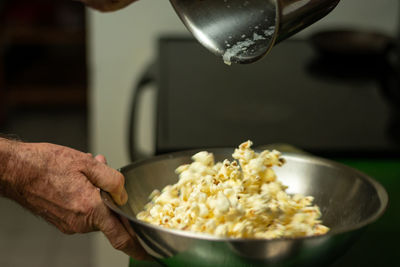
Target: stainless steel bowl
[[349, 201]]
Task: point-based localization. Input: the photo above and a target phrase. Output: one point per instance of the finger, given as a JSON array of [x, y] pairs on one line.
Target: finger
[[119, 237], [101, 158], [108, 179]]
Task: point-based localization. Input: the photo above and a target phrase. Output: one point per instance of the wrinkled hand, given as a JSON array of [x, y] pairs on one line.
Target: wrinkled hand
[[107, 5], [62, 185]]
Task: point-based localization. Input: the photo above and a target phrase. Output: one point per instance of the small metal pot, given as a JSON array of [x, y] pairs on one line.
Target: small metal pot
[[251, 28]]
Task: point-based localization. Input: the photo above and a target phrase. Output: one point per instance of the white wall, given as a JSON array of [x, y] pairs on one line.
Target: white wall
[[122, 43]]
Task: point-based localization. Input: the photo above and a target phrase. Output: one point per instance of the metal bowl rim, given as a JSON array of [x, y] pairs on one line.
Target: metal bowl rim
[[381, 192]]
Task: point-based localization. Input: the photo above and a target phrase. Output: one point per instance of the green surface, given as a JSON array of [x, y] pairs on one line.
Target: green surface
[[377, 246]]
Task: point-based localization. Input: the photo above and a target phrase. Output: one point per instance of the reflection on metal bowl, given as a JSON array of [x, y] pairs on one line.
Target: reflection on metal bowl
[[349, 201]]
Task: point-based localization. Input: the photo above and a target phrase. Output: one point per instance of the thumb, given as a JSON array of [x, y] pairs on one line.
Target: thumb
[[106, 178]]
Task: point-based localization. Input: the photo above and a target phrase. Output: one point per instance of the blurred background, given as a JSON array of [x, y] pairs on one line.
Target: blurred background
[[132, 83]]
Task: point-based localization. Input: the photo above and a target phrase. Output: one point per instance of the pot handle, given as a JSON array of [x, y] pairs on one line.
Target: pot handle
[[145, 79]]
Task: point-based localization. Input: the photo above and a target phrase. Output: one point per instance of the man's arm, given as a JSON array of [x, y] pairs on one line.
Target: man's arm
[[107, 5], [7, 148], [62, 185]]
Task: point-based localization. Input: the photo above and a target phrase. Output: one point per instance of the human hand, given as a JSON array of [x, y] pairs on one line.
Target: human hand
[[62, 185], [107, 5]]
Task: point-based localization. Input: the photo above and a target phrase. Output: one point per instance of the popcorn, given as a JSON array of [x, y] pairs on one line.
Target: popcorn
[[222, 203], [242, 198]]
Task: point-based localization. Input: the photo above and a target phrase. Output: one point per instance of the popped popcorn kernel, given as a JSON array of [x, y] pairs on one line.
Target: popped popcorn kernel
[[240, 198]]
